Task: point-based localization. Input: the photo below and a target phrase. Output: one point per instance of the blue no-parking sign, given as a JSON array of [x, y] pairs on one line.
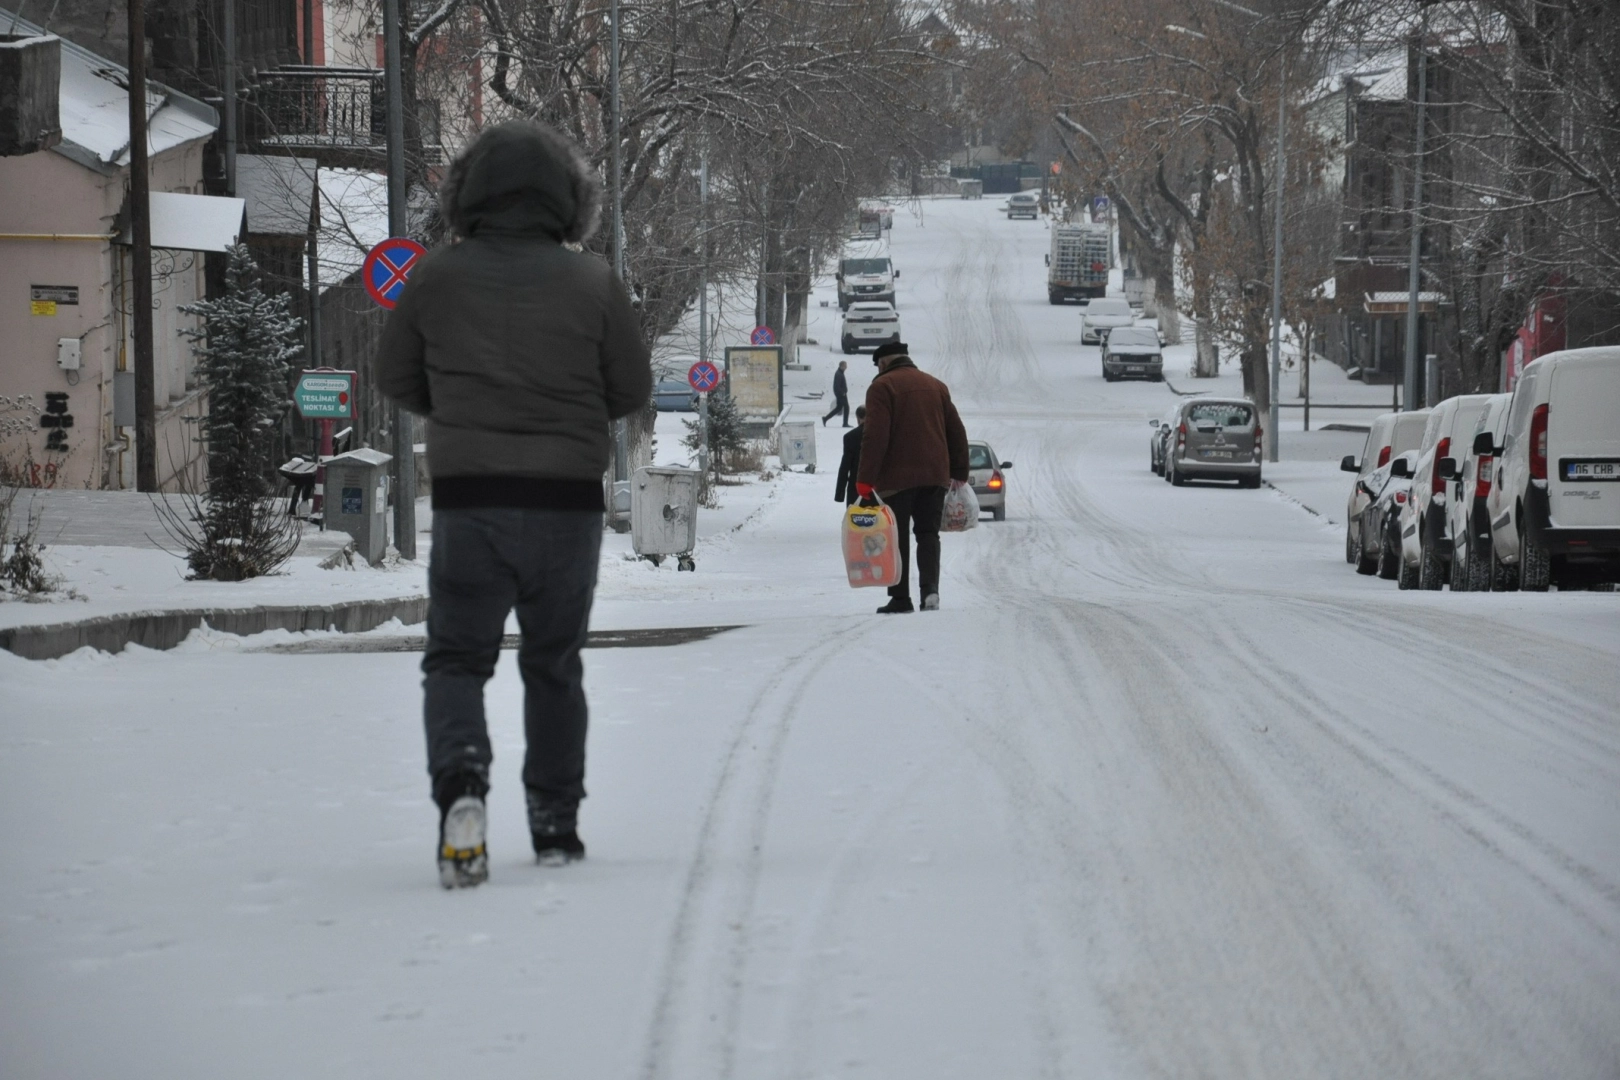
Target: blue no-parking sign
[[387, 266], [703, 376], [762, 335]]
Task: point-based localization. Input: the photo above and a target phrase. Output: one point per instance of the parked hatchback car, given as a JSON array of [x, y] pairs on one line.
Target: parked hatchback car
[[868, 324], [1468, 521], [1425, 542], [1555, 503], [1392, 486], [987, 474], [1162, 427], [1102, 315], [1023, 204], [1215, 439], [1390, 434], [1133, 352]]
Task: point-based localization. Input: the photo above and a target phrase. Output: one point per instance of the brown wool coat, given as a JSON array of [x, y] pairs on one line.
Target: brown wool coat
[[914, 438]]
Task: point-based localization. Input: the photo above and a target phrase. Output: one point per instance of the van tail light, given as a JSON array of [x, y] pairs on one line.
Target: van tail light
[[1482, 476], [1437, 484], [1383, 457], [1181, 436], [996, 481], [1538, 443], [1400, 496], [1259, 440]]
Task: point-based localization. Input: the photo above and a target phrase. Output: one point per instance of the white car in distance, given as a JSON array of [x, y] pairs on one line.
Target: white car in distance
[[868, 324], [1103, 315], [1023, 204]]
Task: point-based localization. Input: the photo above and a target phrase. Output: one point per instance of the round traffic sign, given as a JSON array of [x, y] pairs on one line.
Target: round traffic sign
[[387, 266], [762, 335], [703, 376]]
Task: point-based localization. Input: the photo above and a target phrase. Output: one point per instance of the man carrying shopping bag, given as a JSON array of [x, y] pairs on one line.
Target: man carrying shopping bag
[[914, 448]]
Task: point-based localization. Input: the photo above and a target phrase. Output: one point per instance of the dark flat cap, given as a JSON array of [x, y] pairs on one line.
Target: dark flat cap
[[891, 348]]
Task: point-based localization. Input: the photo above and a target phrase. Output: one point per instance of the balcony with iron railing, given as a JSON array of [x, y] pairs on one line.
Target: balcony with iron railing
[[336, 114]]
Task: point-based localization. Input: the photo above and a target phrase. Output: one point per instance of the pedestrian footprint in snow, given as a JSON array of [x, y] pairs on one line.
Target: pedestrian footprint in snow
[[518, 348]]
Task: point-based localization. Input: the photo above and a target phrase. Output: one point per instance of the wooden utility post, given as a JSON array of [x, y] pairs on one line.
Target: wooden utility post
[[140, 259], [400, 422]]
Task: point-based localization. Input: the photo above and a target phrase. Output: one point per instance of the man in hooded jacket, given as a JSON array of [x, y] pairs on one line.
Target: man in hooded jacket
[[520, 352], [914, 447]]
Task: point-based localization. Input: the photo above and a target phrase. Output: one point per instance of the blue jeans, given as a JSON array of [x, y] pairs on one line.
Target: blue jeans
[[485, 563]]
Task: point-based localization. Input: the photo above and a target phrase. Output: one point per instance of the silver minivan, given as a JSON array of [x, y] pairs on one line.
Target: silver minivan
[[1215, 439]]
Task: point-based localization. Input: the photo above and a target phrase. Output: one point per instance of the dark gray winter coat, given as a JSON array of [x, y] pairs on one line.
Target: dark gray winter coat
[[518, 350]]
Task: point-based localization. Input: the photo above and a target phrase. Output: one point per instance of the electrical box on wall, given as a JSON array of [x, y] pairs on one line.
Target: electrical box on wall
[[69, 351]]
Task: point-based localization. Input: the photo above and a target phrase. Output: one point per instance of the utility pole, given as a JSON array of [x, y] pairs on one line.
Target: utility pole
[[621, 441], [703, 310], [1277, 270], [1413, 379], [228, 97], [140, 258], [400, 422]]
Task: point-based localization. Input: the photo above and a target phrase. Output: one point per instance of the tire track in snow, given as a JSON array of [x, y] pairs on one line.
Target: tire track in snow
[[713, 916]]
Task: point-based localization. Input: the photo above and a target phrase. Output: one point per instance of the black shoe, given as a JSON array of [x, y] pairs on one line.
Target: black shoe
[[553, 830], [558, 849], [824, 420], [463, 821], [899, 605]]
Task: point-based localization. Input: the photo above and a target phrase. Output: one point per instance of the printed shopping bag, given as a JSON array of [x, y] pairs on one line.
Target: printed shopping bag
[[961, 510], [871, 546]]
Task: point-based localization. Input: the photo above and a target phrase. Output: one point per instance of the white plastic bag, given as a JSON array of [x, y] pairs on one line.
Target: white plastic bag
[[961, 510]]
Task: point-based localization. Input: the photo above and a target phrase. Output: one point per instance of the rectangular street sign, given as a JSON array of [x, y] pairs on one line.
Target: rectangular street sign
[[754, 375], [325, 395]]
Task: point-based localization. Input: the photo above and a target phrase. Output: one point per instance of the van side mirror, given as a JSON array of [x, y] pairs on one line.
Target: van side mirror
[[1349, 464], [1153, 423], [1006, 464], [1048, 258], [897, 273], [1447, 468], [1400, 467], [1484, 444]]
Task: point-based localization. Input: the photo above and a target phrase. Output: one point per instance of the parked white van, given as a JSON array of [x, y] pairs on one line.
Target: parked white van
[[1555, 505], [1390, 435], [1425, 542], [1467, 521]]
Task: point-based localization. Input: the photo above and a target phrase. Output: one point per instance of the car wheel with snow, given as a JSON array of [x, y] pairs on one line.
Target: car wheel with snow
[[1535, 565], [1431, 571], [849, 346], [1389, 558], [1504, 578]]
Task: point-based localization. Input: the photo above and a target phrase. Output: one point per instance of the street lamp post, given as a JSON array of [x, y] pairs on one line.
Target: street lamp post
[[1276, 273], [1413, 379], [621, 442], [400, 422]]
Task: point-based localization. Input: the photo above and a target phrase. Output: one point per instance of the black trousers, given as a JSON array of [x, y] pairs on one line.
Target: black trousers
[[840, 405], [484, 564], [918, 510]]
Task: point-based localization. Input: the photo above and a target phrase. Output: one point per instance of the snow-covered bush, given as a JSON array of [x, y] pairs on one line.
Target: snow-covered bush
[[234, 530]]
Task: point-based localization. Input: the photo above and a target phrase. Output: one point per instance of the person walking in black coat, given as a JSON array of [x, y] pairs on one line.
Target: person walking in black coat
[[520, 350], [850, 465], [840, 395]]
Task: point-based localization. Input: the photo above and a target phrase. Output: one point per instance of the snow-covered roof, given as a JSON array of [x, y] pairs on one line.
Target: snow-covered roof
[[93, 99], [354, 219], [278, 191]]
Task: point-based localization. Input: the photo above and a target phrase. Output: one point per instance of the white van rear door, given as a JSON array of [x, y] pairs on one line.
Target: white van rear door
[[1583, 442]]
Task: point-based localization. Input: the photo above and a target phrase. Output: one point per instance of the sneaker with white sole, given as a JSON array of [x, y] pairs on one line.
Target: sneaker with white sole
[[463, 860]]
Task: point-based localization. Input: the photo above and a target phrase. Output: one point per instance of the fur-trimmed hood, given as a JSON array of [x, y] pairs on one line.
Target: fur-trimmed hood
[[521, 178]]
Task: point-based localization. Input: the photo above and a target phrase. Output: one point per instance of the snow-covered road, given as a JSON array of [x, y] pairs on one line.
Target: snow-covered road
[[1165, 790]]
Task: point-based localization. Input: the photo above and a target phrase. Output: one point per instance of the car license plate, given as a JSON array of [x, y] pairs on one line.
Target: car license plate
[[1591, 470], [1135, 369], [1218, 453]]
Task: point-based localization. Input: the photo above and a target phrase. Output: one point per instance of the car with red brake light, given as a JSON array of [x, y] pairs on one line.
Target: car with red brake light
[[988, 475], [1467, 520], [1555, 501], [1425, 541], [1215, 439]]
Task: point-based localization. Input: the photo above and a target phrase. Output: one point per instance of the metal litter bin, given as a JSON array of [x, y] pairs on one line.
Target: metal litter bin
[[796, 444], [663, 514], [356, 500]]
